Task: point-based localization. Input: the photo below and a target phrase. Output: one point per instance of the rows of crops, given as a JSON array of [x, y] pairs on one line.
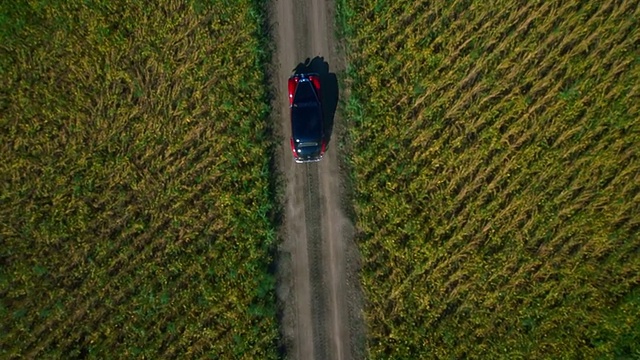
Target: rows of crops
[[496, 177], [135, 199]]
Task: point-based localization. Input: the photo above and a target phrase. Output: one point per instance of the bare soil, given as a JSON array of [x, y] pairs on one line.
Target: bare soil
[[318, 261]]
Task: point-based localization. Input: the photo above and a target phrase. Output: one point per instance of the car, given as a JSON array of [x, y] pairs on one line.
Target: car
[[308, 142]]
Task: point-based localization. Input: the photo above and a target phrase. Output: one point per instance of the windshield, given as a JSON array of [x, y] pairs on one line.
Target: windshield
[[304, 94]]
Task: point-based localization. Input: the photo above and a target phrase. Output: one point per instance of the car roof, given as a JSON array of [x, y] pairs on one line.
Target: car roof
[[306, 122]]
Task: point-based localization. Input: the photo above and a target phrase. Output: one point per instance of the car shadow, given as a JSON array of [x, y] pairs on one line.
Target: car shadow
[[329, 91]]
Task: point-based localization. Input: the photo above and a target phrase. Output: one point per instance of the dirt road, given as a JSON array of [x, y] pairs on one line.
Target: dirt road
[[318, 261]]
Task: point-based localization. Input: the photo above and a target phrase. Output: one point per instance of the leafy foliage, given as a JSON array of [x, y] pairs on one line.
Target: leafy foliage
[[496, 176], [134, 184]]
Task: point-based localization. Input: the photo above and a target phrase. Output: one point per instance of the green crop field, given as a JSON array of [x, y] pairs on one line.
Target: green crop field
[[136, 206], [496, 176]]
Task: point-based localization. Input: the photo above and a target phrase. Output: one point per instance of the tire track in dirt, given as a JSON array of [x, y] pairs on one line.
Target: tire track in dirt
[[316, 273]]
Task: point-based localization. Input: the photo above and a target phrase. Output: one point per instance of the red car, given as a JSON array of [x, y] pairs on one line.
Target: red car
[[307, 134]]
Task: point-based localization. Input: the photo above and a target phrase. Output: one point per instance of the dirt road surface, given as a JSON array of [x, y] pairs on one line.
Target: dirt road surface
[[318, 291]]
